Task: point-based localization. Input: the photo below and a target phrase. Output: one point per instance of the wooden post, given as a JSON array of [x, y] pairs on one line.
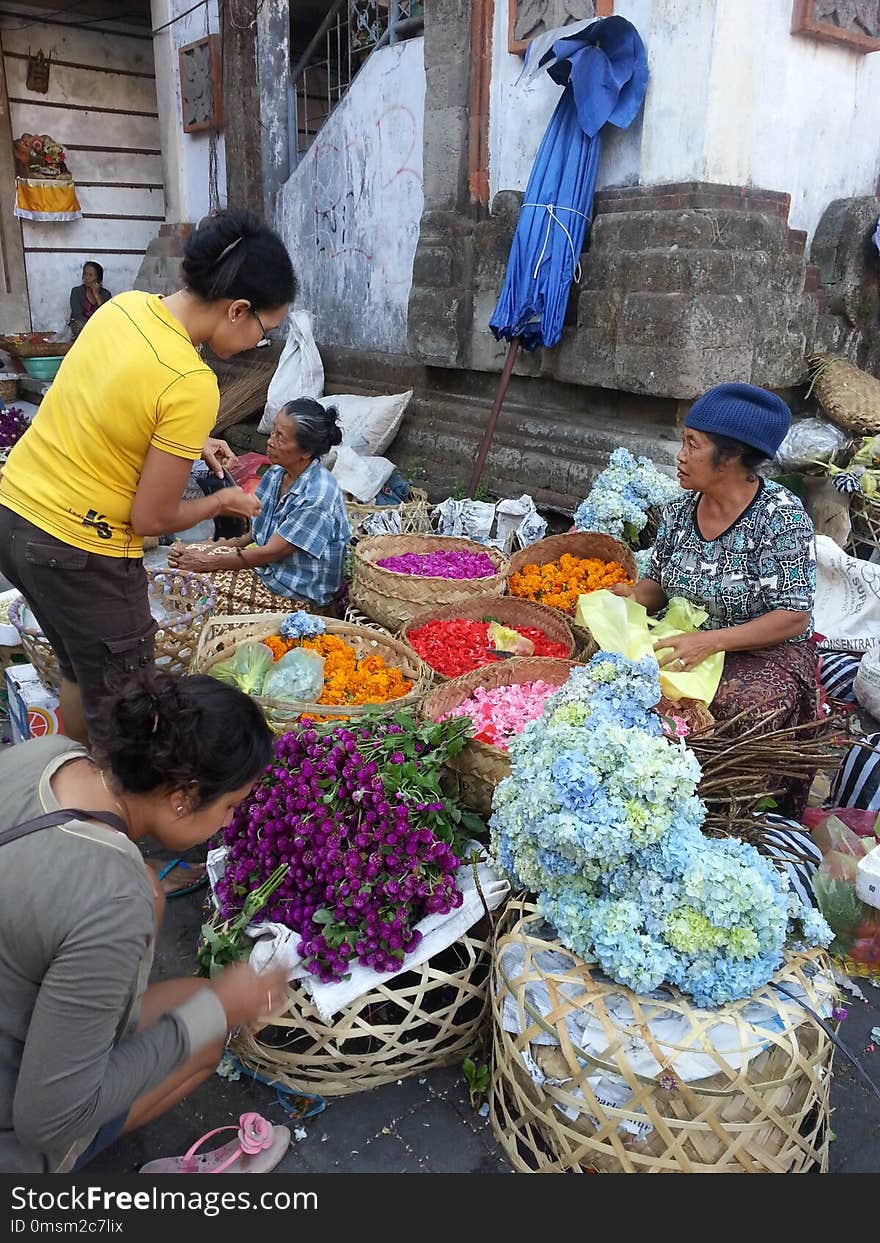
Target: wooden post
[[241, 99], [512, 351]]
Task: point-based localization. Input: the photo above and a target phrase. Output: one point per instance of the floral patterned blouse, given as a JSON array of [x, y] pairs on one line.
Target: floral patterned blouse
[[765, 561]]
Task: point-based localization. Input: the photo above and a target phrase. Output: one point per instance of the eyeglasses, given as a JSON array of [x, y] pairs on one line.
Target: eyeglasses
[[264, 340]]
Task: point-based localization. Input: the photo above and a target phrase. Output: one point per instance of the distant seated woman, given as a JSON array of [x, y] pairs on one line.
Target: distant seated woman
[[742, 548], [293, 556], [87, 297]]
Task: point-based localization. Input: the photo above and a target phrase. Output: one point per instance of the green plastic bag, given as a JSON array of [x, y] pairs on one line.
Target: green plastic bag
[[621, 625], [247, 669]]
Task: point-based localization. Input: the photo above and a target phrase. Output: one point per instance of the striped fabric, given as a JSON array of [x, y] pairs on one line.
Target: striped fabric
[[792, 842], [857, 784], [837, 671]]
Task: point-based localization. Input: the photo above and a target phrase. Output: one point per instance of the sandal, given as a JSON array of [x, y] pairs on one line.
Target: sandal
[[257, 1149], [179, 893]]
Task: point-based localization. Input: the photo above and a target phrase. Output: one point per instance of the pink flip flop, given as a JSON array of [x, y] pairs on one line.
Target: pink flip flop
[[257, 1149]]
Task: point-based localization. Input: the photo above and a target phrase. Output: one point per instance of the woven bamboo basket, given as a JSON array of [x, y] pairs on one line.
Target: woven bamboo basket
[[222, 635], [243, 591], [849, 396], [423, 1019], [480, 766], [35, 349], [509, 610], [762, 1107], [864, 535], [392, 599], [185, 600], [9, 389], [413, 515], [695, 715]]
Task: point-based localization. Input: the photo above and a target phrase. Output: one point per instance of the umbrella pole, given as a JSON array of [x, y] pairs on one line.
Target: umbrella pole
[[512, 351]]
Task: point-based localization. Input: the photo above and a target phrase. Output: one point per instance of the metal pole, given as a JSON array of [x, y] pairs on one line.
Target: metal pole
[[512, 351]]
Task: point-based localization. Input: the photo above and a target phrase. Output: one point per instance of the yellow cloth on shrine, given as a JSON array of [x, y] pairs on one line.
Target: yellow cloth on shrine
[[37, 199]]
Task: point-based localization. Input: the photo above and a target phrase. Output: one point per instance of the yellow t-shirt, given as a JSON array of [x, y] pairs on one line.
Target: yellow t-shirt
[[133, 379]]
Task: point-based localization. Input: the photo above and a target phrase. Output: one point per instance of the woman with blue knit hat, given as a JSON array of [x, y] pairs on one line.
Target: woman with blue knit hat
[[742, 548]]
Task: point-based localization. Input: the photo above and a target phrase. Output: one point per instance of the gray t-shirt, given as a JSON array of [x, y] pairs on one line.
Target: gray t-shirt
[[77, 930]]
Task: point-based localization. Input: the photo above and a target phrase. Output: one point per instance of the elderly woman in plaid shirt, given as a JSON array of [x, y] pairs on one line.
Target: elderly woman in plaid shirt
[[296, 547]]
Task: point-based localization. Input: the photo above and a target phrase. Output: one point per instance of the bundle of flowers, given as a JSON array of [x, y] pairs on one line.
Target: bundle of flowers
[[13, 426], [456, 645], [372, 844], [502, 712], [559, 583], [459, 564], [600, 819], [621, 496]]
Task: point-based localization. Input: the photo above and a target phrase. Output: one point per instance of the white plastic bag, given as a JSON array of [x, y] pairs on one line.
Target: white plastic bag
[[300, 372], [362, 477], [866, 686], [847, 609], [369, 424], [468, 519], [810, 440]]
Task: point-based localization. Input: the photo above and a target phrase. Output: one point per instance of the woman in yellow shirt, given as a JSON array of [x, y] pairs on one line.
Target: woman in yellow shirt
[[106, 459]]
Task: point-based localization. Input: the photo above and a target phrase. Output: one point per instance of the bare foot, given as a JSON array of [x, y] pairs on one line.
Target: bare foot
[[181, 878]]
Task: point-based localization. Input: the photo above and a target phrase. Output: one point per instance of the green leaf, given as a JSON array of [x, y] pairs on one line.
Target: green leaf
[[324, 916]]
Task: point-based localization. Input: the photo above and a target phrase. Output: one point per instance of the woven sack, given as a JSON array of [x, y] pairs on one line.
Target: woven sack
[[765, 1109], [509, 610], [392, 599], [425, 1018], [480, 766], [186, 601], [222, 635], [849, 396]]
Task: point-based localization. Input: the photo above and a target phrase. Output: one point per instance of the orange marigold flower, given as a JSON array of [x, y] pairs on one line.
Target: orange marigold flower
[[559, 583]]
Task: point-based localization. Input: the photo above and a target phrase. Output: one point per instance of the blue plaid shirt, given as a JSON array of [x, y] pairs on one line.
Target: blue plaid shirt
[[312, 517]]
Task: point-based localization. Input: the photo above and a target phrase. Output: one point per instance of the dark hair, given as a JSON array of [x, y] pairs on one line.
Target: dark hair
[[317, 429], [725, 449], [232, 255], [90, 263], [158, 732]]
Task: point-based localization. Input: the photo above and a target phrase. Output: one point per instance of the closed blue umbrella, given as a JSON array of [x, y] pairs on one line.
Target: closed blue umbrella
[[604, 70]]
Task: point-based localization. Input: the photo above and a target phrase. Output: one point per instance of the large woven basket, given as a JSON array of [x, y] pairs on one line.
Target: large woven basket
[[413, 517], [509, 610], [425, 1018], [849, 396], [222, 635], [35, 349], [184, 600], [762, 1107], [582, 544], [392, 599], [243, 591], [864, 535], [480, 766]]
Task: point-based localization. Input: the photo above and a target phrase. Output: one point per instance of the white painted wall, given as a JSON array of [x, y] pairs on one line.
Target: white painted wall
[[350, 213], [186, 158], [117, 217], [732, 97]]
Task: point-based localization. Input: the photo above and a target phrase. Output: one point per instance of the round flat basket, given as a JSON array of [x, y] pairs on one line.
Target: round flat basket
[[849, 396], [35, 349], [180, 603], [509, 610], [424, 1018], [588, 1077], [222, 635], [411, 517], [392, 599], [480, 766]]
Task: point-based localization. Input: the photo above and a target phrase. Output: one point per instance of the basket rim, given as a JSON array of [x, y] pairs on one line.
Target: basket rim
[[454, 542], [526, 556], [465, 610], [273, 622]]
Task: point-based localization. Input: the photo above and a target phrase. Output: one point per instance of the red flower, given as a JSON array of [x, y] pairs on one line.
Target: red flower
[[456, 646]]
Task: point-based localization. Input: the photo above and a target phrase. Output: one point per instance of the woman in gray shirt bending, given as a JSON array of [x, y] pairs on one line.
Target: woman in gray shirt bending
[[87, 1050]]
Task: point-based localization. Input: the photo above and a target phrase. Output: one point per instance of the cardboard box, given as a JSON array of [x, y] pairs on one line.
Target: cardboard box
[[33, 710]]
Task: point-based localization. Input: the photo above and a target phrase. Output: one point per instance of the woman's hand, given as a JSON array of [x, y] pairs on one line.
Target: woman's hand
[[236, 502], [182, 558], [627, 590], [684, 652], [218, 455], [248, 997]]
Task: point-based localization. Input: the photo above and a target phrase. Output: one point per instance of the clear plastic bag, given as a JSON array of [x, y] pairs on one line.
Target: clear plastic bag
[[247, 669], [810, 441], [298, 675]]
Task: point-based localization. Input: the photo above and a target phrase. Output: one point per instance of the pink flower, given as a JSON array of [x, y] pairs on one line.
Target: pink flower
[[254, 1133], [504, 711]]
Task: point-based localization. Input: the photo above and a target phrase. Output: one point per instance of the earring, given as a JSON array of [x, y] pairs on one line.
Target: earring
[[180, 810]]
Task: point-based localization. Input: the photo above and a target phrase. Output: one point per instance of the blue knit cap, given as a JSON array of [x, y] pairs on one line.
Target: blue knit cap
[[742, 412]]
